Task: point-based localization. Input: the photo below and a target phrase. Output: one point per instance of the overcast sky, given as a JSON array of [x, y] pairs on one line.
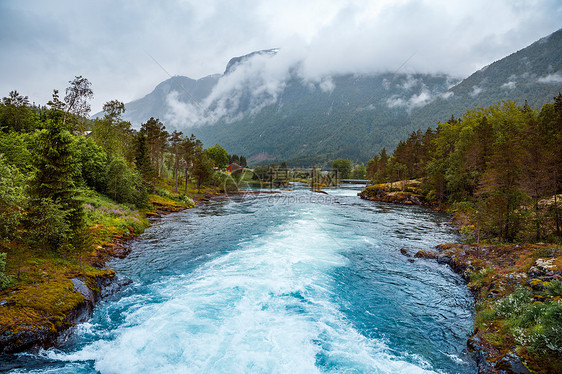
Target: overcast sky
[[126, 48]]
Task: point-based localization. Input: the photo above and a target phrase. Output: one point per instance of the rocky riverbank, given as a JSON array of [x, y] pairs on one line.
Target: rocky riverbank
[[41, 311], [31, 317], [517, 289], [512, 333], [402, 192]]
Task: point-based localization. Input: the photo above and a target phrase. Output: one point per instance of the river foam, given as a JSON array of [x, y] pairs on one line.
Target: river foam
[[281, 283], [265, 307]]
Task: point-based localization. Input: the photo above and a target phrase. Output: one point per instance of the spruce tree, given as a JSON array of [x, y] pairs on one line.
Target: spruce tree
[[53, 186]]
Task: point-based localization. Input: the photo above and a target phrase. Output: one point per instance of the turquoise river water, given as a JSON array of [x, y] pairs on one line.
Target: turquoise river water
[[296, 282]]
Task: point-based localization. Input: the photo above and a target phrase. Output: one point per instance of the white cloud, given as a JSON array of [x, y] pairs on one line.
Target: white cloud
[[251, 86], [509, 85], [180, 114], [476, 91], [327, 84], [421, 99], [125, 49], [415, 101], [396, 101], [551, 78], [447, 95], [410, 83]]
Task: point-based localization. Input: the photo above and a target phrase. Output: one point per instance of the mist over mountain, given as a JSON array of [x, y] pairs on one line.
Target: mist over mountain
[[313, 123], [183, 89], [268, 107], [533, 74]]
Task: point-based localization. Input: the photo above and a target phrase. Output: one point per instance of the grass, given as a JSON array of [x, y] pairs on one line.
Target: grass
[[517, 306], [108, 219], [41, 294]]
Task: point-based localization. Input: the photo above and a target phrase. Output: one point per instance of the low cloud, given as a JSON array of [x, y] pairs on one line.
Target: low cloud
[[180, 114], [415, 101], [476, 90], [551, 78], [126, 49], [509, 85], [248, 88], [327, 85], [410, 83]]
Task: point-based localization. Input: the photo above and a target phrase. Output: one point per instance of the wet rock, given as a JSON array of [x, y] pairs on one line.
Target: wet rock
[[121, 251], [508, 363], [405, 252], [425, 254], [81, 287], [46, 335], [479, 353], [511, 364], [33, 336], [109, 287]]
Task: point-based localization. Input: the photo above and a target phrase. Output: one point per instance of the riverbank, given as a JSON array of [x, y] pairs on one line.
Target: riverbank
[[401, 192], [517, 290], [53, 293]]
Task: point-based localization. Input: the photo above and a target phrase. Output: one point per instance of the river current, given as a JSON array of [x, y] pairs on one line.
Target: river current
[[295, 282]]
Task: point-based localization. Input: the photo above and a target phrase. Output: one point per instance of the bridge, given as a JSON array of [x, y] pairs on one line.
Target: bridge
[[355, 181]]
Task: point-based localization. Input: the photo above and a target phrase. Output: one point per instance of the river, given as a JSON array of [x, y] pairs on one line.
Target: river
[[296, 282]]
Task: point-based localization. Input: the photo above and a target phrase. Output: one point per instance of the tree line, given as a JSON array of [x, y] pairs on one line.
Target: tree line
[[50, 154], [501, 166]]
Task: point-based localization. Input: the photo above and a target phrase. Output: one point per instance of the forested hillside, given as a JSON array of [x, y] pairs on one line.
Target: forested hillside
[[309, 126], [533, 74], [501, 165], [310, 122], [68, 184]]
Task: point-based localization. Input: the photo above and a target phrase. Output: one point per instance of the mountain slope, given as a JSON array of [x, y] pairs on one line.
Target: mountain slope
[[309, 125], [157, 103], [533, 74], [270, 112]]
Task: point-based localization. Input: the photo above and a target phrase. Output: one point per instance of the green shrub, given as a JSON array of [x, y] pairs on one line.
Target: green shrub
[[125, 185], [535, 325], [12, 199], [93, 163], [187, 200], [4, 280], [547, 333], [514, 304], [48, 225], [554, 288], [163, 192]]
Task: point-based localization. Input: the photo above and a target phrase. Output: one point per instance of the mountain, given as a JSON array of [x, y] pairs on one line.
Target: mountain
[[303, 122], [156, 103], [314, 124], [237, 61], [533, 74], [270, 112]]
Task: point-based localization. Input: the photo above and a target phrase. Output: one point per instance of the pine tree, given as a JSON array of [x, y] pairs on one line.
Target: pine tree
[[142, 158], [156, 139], [53, 190], [175, 149]]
